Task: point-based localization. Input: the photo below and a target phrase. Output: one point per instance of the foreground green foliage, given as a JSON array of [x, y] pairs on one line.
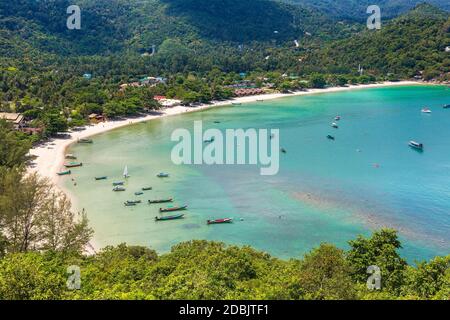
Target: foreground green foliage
[[211, 270], [33, 216]]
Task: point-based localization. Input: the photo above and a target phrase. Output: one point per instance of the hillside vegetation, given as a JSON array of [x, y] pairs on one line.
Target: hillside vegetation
[[357, 9], [406, 46]]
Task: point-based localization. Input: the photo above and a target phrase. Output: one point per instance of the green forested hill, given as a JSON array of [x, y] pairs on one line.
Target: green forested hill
[[356, 9], [405, 46], [120, 25], [201, 46]]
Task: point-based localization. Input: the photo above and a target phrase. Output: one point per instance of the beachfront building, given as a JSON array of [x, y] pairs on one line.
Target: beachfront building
[[32, 131], [248, 92], [19, 123], [16, 119], [96, 118], [152, 81], [245, 84], [163, 101], [144, 82], [127, 85]]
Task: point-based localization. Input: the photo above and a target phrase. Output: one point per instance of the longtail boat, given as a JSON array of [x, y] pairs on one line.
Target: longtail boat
[[118, 189], [70, 156], [134, 201], [120, 183], [174, 217], [129, 204], [64, 173], [160, 201], [139, 193], [73, 164], [147, 188], [162, 175], [101, 178], [219, 221], [172, 209], [85, 141]]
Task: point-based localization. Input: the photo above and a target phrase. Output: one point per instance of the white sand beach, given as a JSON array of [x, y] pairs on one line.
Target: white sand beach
[[51, 155]]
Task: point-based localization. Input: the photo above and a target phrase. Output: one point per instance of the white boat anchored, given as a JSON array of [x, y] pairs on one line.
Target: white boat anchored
[[125, 172], [416, 145]]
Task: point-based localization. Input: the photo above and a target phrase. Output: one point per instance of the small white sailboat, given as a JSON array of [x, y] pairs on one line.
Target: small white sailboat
[[125, 172]]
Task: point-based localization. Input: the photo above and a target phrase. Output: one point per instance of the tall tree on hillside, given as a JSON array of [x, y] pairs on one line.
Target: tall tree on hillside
[[13, 149], [33, 216], [380, 250], [325, 274]]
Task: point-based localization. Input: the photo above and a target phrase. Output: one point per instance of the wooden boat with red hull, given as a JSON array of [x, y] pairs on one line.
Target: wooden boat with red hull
[[172, 209], [219, 221], [167, 218]]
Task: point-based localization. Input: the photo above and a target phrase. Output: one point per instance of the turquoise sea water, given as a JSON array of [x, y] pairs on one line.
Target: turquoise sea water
[[326, 191]]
